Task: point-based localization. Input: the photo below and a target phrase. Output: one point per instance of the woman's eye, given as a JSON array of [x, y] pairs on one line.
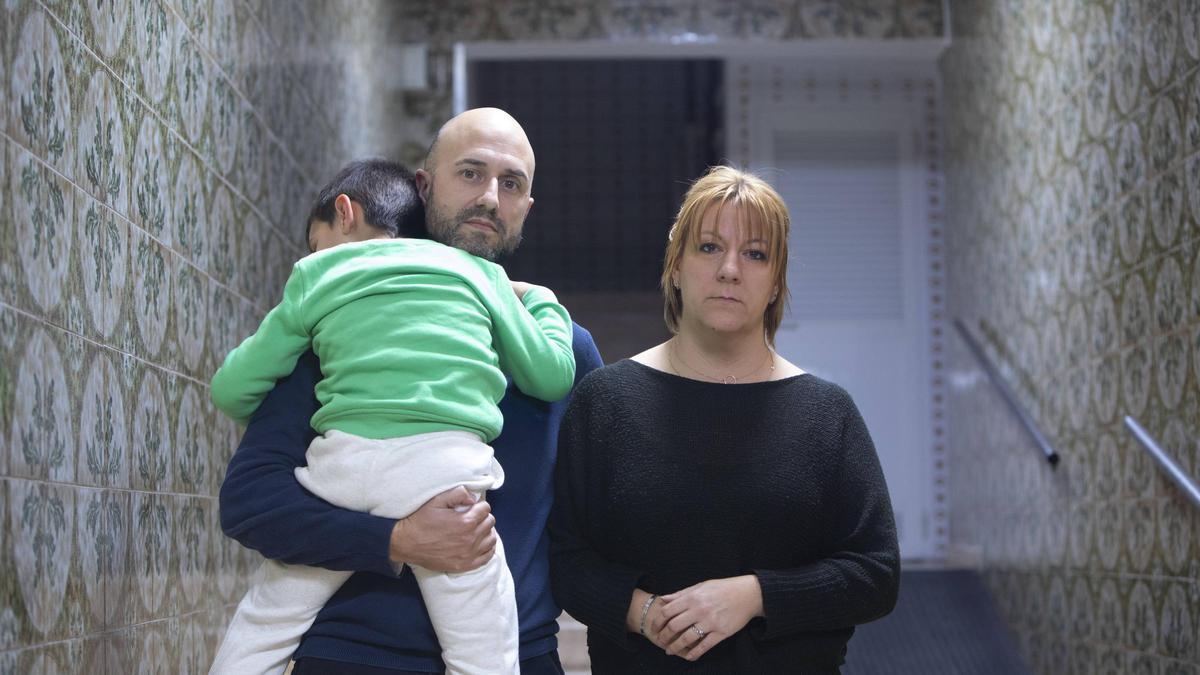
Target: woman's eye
[[756, 255], [708, 247]]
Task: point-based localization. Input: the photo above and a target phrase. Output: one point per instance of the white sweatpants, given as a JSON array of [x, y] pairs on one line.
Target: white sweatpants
[[474, 613]]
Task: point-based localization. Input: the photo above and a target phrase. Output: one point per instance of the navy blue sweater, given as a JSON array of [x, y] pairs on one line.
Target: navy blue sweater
[[377, 618]]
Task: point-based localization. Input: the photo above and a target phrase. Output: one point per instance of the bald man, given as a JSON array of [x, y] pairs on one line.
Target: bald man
[[476, 184]]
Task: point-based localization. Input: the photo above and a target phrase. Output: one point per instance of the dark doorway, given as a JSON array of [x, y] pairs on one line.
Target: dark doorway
[[617, 142]]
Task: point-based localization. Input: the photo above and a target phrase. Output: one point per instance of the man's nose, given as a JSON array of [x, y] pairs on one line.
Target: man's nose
[[490, 196]]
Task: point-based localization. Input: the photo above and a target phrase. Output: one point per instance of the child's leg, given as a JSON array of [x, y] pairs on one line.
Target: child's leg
[[475, 616], [473, 613], [281, 604]]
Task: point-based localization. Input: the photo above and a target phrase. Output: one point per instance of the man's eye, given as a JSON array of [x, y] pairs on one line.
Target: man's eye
[[511, 185], [469, 174]]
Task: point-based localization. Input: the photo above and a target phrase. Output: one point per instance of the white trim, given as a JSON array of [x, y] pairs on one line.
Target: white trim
[[924, 50]]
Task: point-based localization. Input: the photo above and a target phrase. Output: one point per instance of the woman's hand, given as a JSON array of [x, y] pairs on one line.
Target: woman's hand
[[690, 622], [654, 617]]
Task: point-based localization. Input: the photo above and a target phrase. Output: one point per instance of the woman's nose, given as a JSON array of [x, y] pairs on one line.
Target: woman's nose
[[730, 271]]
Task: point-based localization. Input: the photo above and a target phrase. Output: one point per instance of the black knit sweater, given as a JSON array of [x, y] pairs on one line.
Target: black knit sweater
[[663, 482]]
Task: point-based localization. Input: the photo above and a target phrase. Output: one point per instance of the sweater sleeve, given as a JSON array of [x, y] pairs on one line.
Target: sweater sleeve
[[264, 508], [534, 343], [251, 369], [594, 590], [860, 580]]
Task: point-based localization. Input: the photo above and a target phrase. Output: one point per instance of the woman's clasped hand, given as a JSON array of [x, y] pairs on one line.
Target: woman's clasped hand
[[692, 621]]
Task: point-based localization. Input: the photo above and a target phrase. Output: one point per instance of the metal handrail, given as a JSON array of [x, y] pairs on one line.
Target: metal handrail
[[1007, 394], [1177, 474]]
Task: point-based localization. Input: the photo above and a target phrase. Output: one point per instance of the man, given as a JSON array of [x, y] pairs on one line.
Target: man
[[476, 186]]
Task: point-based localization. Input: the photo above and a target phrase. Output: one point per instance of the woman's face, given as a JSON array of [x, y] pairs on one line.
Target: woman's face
[[724, 278]]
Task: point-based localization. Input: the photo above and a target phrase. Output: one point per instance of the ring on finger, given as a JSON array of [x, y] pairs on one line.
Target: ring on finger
[[699, 631]]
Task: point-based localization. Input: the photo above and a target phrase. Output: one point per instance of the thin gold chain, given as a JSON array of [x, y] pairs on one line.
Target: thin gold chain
[[728, 379]]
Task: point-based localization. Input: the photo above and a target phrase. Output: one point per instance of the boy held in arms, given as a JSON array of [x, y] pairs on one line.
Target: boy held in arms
[[414, 339]]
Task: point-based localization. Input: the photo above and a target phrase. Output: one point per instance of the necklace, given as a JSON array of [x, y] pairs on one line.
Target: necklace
[[727, 379]]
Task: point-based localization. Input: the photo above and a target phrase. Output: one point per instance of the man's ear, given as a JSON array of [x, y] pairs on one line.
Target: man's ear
[[529, 207], [423, 181], [343, 210]]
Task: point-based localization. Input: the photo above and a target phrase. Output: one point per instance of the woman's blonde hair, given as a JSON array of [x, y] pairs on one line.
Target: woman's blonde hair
[[761, 209]]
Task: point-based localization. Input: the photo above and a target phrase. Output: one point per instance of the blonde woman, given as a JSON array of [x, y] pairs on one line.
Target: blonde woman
[[717, 509]]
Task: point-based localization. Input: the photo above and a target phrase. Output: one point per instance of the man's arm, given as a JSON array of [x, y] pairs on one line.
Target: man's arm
[[264, 508]]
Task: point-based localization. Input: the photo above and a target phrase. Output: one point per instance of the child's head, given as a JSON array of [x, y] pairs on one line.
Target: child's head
[[367, 199]]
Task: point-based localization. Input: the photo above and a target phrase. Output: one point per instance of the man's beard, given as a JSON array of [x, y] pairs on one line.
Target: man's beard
[[451, 231]]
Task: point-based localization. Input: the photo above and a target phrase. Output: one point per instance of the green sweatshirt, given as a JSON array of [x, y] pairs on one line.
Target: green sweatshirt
[[413, 337]]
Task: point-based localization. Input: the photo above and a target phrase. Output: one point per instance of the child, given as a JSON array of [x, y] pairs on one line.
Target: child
[[414, 340]]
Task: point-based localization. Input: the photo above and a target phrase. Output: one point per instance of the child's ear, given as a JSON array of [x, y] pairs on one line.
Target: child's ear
[[343, 210]]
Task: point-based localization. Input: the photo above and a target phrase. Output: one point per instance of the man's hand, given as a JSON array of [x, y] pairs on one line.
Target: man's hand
[[450, 533], [520, 287]]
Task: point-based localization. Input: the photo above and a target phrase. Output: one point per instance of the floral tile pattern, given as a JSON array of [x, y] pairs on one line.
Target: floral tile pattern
[[1079, 140], [163, 153]]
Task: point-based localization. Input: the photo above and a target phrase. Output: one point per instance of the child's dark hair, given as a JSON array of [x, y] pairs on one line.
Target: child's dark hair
[[385, 190]]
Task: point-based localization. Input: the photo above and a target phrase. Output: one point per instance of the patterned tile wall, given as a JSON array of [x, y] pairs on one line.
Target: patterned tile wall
[[158, 157], [1073, 237]]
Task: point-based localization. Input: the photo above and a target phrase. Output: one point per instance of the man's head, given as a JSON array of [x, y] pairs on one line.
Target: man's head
[[477, 182], [367, 199]]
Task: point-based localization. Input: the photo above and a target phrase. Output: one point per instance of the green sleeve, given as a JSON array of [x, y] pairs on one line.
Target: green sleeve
[[534, 343], [252, 368]]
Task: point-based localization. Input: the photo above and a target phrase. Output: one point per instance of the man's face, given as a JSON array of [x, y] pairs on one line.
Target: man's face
[[478, 194]]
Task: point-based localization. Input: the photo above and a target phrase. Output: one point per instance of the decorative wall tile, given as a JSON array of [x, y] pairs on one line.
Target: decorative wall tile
[[232, 576], [102, 538], [103, 424], [153, 266], [190, 314], [155, 36], [151, 443], [151, 549], [39, 98], [226, 124], [43, 427], [42, 525], [223, 38], [195, 655], [104, 251], [251, 156], [192, 71], [44, 251], [1166, 208], [1176, 629], [224, 242], [152, 208], [109, 22], [193, 549], [1127, 61]]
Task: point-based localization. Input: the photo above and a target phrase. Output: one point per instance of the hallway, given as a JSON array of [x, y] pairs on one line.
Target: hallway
[[160, 157]]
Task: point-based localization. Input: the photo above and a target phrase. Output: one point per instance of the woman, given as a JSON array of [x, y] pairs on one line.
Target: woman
[[717, 509]]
